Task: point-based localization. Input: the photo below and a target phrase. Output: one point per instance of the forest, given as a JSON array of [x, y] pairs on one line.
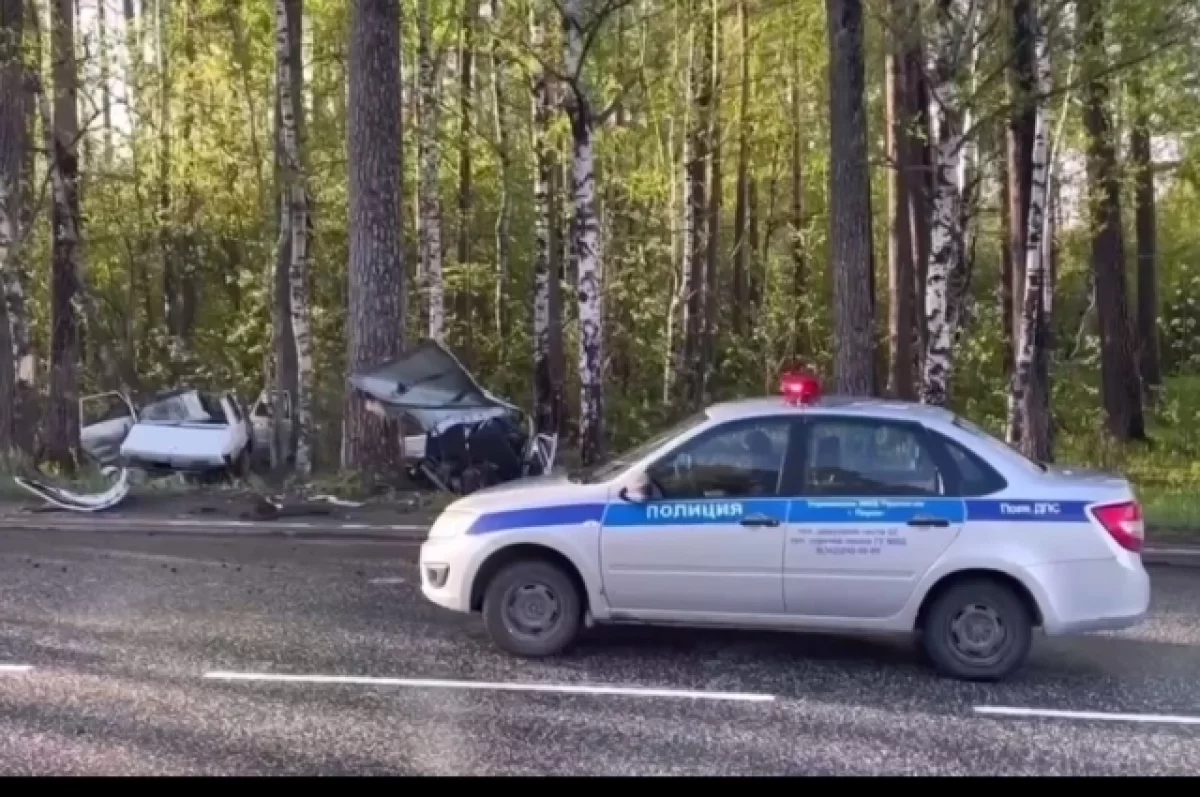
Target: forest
[[612, 211]]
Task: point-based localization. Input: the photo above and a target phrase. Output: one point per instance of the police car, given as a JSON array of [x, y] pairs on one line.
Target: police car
[[809, 513]]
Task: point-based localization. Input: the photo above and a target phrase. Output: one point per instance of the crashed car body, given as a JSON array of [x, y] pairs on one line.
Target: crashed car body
[[473, 439], [261, 429], [186, 430]]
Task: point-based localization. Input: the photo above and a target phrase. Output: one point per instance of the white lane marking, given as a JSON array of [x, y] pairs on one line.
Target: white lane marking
[[15, 668], [1172, 551], [227, 524], [1006, 711], [382, 581], [493, 686]]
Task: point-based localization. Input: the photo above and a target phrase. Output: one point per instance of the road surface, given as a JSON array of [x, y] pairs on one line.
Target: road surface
[[156, 654]]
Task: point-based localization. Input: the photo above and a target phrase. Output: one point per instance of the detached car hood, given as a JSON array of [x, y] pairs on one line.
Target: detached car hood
[[429, 384]]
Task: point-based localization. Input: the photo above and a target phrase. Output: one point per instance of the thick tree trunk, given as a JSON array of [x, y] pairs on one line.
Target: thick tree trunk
[[62, 439], [1120, 383], [850, 204], [946, 254], [1021, 88], [375, 317], [430, 190], [288, 29], [901, 300], [548, 383], [1029, 421], [1146, 226], [585, 229], [465, 306], [12, 151]]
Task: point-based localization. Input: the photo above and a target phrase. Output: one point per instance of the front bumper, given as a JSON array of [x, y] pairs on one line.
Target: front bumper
[[447, 568]]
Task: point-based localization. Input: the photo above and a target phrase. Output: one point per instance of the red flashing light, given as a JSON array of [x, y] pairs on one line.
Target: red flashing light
[[800, 387], [1124, 524]]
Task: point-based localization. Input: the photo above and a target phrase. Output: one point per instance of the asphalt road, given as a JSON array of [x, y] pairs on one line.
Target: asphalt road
[[109, 644]]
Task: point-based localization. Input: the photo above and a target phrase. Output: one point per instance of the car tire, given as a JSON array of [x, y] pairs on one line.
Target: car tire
[[977, 630], [532, 609]]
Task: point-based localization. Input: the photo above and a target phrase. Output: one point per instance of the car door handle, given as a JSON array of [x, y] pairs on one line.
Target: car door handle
[[760, 521], [926, 522]]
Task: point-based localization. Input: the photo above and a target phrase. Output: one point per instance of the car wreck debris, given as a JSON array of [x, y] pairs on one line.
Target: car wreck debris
[[472, 439]]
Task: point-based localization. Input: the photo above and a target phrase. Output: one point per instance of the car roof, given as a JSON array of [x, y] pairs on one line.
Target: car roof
[[831, 405]]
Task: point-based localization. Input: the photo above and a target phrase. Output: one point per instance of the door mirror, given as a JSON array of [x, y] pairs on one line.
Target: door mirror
[[639, 490]]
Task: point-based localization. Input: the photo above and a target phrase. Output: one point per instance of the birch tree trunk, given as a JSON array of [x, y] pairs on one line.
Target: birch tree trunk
[[375, 318], [548, 397], [500, 118], [696, 157], [708, 342], [1028, 424], [466, 299], [946, 248], [585, 232], [430, 190], [62, 439], [850, 204], [290, 107]]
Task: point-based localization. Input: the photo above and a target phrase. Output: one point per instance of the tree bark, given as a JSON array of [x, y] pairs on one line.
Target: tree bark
[[1146, 226], [696, 157], [548, 367], [1021, 88], [1029, 421], [586, 235], [430, 190], [901, 300], [62, 439], [850, 204], [500, 118], [466, 112], [708, 344], [12, 151], [1120, 384], [946, 254], [375, 317], [288, 34]]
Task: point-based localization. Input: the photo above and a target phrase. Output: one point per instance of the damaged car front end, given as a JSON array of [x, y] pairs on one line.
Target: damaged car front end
[[473, 439]]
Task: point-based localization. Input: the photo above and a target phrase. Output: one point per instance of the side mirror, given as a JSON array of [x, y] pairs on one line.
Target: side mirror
[[638, 491]]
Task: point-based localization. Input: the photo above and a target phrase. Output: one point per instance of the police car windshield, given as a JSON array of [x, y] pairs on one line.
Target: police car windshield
[[997, 445], [614, 465]]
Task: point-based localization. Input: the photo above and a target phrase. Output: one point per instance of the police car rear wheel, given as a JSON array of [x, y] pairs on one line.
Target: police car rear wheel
[[978, 630], [532, 609]]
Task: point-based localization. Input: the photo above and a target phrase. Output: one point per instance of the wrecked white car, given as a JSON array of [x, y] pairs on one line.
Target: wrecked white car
[[183, 431], [472, 439]]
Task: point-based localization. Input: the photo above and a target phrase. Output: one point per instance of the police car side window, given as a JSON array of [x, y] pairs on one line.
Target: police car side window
[[975, 477], [743, 459], [866, 458]]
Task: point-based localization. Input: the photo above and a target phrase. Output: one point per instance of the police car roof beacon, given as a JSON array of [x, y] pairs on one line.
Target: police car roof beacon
[[952, 536]]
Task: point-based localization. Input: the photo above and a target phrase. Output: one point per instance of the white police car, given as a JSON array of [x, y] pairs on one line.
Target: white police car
[[803, 512]]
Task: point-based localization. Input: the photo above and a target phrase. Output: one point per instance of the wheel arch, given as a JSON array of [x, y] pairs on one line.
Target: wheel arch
[[525, 551], [949, 580]]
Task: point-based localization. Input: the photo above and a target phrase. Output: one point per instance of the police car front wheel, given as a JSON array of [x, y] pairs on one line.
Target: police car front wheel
[[977, 630], [532, 609]]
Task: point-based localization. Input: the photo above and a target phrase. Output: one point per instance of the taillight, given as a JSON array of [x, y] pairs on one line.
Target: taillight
[[1124, 523]]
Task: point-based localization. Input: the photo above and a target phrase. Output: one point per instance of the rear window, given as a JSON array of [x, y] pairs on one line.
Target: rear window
[[997, 445]]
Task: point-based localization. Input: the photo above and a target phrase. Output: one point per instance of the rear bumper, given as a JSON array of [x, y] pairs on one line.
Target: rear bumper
[[1095, 595]]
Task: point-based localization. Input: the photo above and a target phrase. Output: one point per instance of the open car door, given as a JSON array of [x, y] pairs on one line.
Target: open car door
[[104, 422]]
